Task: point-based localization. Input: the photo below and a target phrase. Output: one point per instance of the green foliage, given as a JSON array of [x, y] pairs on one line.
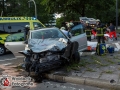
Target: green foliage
[[103, 10], [21, 8], [59, 21], [72, 9]]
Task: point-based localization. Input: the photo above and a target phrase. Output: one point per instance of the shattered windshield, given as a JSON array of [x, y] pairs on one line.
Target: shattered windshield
[[48, 33]]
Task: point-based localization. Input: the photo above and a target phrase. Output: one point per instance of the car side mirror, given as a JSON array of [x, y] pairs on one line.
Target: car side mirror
[[26, 42]]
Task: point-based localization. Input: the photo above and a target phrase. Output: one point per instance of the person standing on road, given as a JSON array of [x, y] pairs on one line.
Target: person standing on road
[[88, 31], [101, 46], [112, 31], [67, 33], [100, 32], [69, 25], [83, 24], [26, 30]]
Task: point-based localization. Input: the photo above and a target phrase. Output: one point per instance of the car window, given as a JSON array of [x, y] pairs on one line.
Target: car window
[[13, 27], [37, 25], [77, 30], [48, 33], [15, 37]]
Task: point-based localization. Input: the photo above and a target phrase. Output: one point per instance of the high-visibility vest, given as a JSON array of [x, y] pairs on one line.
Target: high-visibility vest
[[100, 32], [88, 32]]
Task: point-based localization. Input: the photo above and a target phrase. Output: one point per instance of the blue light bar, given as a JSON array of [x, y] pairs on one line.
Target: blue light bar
[[18, 18]]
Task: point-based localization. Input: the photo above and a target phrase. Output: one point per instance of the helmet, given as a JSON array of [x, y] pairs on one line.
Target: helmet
[[62, 28], [27, 26]]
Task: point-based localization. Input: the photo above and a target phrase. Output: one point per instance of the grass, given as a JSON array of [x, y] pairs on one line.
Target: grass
[[115, 57], [93, 60], [118, 60], [76, 66], [108, 71], [99, 63], [90, 70], [119, 68], [73, 66], [110, 61]]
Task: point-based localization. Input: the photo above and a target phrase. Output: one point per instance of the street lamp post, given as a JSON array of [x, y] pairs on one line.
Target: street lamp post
[[116, 14], [3, 12], [3, 7], [35, 7]]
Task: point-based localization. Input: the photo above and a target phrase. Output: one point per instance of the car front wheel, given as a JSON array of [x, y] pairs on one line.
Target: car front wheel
[[2, 50]]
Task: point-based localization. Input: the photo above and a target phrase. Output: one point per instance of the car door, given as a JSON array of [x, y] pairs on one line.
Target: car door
[[79, 35], [15, 43]]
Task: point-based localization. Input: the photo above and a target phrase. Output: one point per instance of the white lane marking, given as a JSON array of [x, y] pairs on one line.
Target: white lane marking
[[117, 45], [7, 64], [7, 59], [20, 56]]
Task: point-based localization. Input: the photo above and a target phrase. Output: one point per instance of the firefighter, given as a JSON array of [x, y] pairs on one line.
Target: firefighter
[[100, 32], [88, 31], [101, 46]]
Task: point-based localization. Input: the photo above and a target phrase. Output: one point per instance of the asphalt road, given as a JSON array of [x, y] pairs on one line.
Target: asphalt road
[[9, 59], [8, 55], [52, 85], [46, 84]]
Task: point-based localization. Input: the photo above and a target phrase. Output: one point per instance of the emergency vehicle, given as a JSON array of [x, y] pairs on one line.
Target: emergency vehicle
[[10, 25], [92, 21]]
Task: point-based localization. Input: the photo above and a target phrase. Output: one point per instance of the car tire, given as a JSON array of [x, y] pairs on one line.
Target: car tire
[[76, 57], [27, 65], [2, 50]]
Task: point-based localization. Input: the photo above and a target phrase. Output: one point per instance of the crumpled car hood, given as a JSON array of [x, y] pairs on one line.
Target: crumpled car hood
[[41, 45]]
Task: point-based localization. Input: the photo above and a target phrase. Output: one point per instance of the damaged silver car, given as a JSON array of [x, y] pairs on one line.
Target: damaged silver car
[[15, 42], [49, 48]]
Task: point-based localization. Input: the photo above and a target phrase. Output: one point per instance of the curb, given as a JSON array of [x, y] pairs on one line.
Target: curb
[[85, 81]]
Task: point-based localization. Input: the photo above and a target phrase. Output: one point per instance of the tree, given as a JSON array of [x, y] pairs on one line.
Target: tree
[[95, 9], [21, 8]]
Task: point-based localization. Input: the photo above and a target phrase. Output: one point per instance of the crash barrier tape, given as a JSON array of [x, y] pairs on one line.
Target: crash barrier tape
[[85, 81]]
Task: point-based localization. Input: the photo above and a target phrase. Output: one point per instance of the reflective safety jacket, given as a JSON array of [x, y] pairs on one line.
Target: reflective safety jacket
[[100, 30], [88, 31]]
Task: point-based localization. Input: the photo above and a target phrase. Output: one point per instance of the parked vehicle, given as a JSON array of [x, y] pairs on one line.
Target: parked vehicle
[[10, 25]]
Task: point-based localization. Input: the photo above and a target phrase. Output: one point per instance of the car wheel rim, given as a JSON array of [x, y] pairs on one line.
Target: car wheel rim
[[1, 50]]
